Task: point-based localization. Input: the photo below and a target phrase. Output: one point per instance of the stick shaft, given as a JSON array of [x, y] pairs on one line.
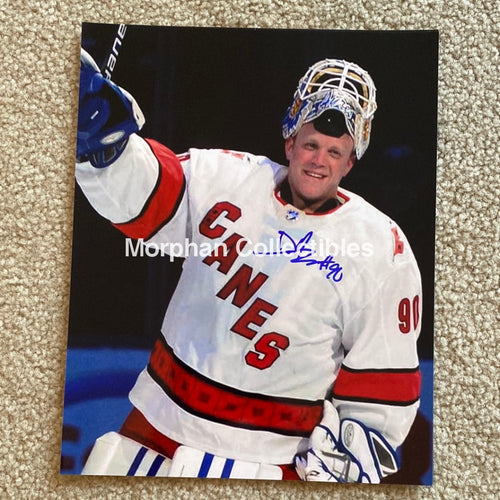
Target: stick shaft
[[110, 64]]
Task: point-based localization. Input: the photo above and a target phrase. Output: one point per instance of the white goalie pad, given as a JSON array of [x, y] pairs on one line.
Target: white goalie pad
[[117, 455], [190, 462]]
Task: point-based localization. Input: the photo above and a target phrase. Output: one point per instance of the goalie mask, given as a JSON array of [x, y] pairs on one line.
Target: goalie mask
[[333, 84]]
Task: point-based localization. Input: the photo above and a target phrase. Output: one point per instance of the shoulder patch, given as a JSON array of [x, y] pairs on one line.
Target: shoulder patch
[[399, 245]]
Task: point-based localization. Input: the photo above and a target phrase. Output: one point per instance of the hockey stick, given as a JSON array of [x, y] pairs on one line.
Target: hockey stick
[[107, 71]]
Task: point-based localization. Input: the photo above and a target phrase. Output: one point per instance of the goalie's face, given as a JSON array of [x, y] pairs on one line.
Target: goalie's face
[[317, 163]]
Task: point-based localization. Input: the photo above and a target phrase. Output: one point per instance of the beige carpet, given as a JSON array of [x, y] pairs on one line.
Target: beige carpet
[[39, 48]]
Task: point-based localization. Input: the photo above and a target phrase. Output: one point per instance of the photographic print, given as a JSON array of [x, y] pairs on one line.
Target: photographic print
[[253, 255]]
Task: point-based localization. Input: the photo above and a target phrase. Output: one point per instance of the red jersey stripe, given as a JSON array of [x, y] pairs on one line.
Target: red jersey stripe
[[213, 401], [163, 201], [393, 387]]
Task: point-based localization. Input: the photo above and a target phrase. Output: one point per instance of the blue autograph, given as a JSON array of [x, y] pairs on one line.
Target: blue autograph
[[302, 252]]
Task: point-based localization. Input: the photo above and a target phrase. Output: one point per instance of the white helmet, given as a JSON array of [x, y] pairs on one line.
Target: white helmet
[[338, 85]]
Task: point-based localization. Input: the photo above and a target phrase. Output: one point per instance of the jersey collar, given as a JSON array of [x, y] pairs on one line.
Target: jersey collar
[[284, 195]]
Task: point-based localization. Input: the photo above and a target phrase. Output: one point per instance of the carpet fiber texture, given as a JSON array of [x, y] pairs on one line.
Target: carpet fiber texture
[[39, 51]]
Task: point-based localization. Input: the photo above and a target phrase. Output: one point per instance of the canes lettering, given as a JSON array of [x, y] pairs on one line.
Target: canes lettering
[[242, 286]]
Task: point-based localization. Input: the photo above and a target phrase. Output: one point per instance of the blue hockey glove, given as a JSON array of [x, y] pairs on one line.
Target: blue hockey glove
[[107, 116], [346, 451]]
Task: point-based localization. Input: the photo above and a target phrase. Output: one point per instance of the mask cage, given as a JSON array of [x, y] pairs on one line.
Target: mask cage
[[335, 84]]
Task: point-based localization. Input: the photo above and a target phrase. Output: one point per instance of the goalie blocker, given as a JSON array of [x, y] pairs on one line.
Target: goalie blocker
[[345, 451]]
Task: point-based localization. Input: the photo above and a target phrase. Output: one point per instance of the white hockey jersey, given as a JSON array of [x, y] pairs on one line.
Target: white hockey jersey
[[275, 309]]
